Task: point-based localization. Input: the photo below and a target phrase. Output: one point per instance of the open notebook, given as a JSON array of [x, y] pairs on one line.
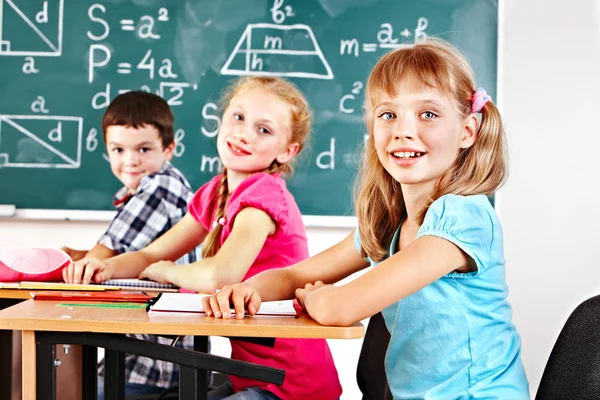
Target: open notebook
[[191, 303]]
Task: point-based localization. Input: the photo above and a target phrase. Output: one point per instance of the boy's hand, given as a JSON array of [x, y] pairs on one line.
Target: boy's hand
[[75, 255], [86, 269], [158, 272], [242, 296]]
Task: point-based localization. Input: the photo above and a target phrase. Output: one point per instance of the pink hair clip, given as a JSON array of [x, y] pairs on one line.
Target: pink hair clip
[[480, 97], [220, 221]]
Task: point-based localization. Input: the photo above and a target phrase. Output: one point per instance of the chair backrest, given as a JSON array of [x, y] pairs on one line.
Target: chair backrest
[[573, 368]]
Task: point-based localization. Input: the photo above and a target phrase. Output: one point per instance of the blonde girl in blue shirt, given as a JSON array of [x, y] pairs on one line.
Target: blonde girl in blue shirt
[[435, 150]]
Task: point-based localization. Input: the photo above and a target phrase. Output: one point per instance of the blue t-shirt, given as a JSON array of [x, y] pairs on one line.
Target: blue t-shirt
[[454, 338]]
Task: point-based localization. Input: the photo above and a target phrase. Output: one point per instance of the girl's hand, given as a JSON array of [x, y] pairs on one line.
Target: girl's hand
[[242, 296], [158, 272], [86, 269], [302, 294]]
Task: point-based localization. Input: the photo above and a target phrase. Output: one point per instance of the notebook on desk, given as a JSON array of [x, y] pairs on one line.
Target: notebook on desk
[[140, 283], [191, 303], [102, 296]]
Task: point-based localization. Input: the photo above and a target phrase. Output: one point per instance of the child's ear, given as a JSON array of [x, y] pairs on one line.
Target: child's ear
[[470, 129], [168, 151], [288, 153]]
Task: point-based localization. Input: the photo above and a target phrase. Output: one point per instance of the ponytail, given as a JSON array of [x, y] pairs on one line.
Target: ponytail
[[481, 168], [211, 243]]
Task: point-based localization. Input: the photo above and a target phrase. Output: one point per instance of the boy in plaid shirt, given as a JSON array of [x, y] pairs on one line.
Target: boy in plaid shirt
[[138, 133]]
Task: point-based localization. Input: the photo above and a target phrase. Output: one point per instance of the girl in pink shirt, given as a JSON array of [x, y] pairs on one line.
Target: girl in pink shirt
[[247, 222]]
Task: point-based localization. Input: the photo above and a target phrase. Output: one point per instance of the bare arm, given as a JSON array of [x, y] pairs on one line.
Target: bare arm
[[329, 266], [424, 261], [186, 235], [231, 263], [100, 252]]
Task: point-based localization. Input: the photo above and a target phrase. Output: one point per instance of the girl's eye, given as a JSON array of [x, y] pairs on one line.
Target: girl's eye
[[264, 130], [387, 116], [428, 115], [238, 117], [144, 150], [117, 150]]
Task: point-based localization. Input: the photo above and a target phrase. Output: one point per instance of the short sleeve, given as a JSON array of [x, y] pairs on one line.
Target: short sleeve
[[139, 222], [357, 242], [203, 205], [466, 221], [262, 191], [358, 245]]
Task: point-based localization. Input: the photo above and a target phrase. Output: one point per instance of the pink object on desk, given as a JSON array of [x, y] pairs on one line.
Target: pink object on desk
[[32, 264]]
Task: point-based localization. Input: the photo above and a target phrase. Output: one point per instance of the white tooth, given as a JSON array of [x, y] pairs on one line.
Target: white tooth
[[412, 154]]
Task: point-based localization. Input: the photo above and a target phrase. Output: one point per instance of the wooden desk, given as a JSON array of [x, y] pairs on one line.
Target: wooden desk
[[33, 316], [10, 297]]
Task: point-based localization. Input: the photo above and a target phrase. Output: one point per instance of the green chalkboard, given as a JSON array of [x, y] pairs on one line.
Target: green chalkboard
[[61, 61]]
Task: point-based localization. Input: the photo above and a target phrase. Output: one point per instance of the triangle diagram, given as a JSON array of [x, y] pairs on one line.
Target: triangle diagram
[[34, 143], [21, 33]]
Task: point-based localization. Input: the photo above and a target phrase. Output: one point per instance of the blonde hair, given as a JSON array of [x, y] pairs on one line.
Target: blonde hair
[[479, 169], [299, 128]]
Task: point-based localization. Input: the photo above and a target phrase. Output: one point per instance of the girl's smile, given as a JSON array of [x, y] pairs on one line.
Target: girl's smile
[[406, 157], [238, 151]]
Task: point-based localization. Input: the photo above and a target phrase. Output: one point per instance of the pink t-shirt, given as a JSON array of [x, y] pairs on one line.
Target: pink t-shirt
[[310, 370]]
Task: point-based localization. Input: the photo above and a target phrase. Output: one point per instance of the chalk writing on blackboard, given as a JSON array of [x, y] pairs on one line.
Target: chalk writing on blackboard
[[47, 31], [278, 48], [265, 48], [40, 141], [386, 39]]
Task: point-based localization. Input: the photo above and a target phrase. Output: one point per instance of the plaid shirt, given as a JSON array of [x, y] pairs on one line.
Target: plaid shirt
[[159, 203]]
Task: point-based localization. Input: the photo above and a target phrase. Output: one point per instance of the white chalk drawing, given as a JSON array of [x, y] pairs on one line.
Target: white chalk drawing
[[47, 44], [54, 143], [278, 50]]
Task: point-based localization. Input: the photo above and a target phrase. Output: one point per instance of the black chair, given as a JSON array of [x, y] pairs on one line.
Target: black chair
[[370, 373], [573, 368]]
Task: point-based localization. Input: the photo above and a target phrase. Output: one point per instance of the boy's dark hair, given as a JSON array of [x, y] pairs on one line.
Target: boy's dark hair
[[138, 108]]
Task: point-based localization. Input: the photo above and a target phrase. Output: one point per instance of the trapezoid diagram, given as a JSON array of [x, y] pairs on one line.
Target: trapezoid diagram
[[278, 50], [40, 141], [31, 27]]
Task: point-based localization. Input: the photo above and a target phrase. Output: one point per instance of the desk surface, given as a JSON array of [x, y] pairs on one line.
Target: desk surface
[[44, 315]]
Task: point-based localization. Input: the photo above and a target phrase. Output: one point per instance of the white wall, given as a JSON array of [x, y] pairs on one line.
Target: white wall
[[549, 67], [550, 83]]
